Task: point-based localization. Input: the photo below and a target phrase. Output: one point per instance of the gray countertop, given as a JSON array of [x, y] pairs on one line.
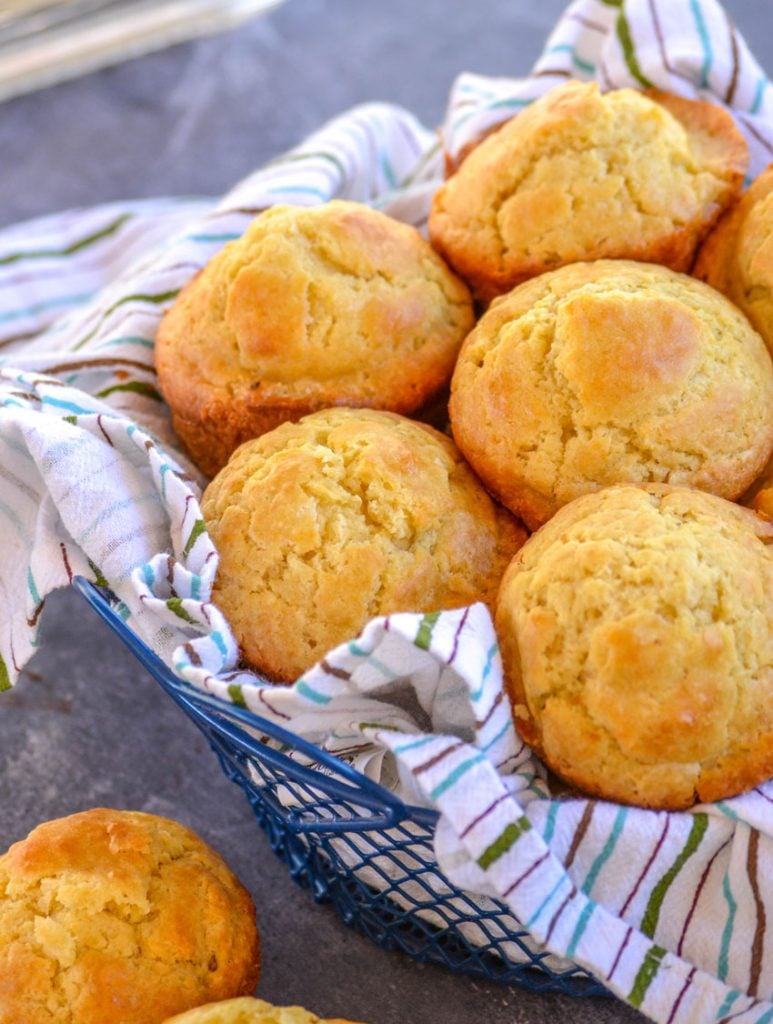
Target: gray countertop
[[86, 726]]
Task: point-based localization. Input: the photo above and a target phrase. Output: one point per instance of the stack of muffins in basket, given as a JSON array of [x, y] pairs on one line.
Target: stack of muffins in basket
[[600, 397]]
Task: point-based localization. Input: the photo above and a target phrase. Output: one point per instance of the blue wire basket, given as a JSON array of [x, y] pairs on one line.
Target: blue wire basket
[[354, 844]]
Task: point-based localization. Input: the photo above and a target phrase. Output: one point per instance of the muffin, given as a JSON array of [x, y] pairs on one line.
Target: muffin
[[637, 649], [737, 257], [119, 916], [313, 307], [581, 175], [321, 525], [249, 1011], [608, 372]]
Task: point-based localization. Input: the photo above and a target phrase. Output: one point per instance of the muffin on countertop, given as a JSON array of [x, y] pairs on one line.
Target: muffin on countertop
[[607, 372], [637, 648], [323, 524], [737, 257], [250, 1011], [312, 307], [580, 175], [119, 916]]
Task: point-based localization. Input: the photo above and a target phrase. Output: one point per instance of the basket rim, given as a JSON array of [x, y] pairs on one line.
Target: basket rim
[[213, 710]]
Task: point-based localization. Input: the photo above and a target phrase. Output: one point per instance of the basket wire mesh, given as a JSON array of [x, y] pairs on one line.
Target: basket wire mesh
[[354, 844]]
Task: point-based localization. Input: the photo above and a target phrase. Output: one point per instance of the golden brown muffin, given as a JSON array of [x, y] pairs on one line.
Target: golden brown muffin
[[250, 1011], [119, 917], [581, 175], [636, 640], [333, 305], [607, 372], [737, 257], [323, 524]]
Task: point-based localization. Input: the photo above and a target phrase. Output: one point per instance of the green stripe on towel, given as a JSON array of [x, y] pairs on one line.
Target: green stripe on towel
[[649, 968], [424, 635], [5, 679], [505, 841], [175, 604], [68, 250], [651, 914], [629, 51]]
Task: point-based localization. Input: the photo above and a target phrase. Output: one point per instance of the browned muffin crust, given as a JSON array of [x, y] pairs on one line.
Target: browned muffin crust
[[121, 916], [580, 175], [606, 372], [323, 524], [313, 307], [637, 649], [737, 257]]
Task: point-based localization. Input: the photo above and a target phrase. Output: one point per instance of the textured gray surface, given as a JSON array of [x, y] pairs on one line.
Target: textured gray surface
[[194, 119], [86, 726]]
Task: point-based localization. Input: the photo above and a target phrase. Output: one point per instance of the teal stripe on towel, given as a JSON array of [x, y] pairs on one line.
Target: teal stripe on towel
[[39, 307], [606, 852], [579, 930], [305, 690], [413, 744], [761, 86], [490, 653], [708, 56], [563, 879], [583, 65], [302, 189], [455, 775], [727, 931]]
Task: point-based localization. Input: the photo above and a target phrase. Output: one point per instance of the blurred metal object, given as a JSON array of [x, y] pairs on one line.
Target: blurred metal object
[[47, 41]]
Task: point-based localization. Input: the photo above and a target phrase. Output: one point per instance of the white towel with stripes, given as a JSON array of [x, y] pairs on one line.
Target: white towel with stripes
[[670, 911]]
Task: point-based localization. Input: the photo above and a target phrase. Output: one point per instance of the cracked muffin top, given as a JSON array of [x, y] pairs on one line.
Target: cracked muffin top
[[637, 649], [321, 525], [250, 1011], [611, 372], [312, 307], [119, 916], [737, 257], [581, 175]]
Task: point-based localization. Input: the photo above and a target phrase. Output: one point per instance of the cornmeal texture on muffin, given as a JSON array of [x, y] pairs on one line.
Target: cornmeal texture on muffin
[[120, 917], [313, 307], [637, 648], [737, 257], [250, 1011], [608, 372], [348, 514], [581, 175]]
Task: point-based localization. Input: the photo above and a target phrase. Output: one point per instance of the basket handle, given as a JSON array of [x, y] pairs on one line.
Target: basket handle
[[238, 747]]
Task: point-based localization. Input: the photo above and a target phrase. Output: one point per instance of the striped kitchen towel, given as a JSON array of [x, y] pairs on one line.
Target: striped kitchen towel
[[670, 911], [81, 295], [687, 47]]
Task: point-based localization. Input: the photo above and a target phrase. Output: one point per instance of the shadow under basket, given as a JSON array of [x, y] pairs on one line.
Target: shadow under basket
[[354, 844]]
